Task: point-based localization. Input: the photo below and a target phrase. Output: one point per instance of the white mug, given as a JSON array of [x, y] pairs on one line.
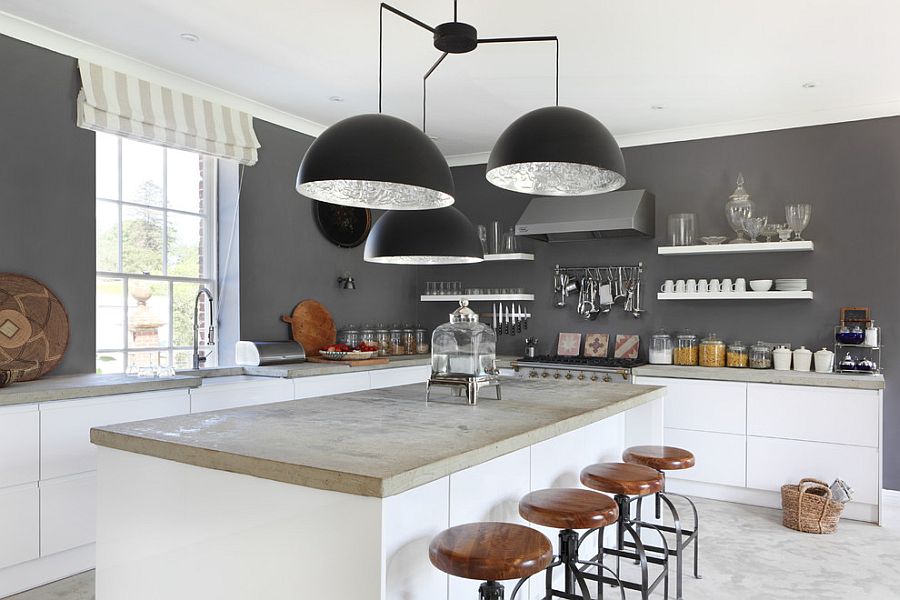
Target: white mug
[[714, 285], [691, 286], [740, 284], [726, 285], [703, 287], [679, 286], [668, 287]]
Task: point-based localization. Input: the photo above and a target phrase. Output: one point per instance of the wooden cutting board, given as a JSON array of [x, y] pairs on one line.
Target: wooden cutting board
[[312, 326], [351, 363]]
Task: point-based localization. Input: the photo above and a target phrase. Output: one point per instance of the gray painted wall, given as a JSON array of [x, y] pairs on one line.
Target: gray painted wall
[[284, 258], [47, 187], [847, 171]]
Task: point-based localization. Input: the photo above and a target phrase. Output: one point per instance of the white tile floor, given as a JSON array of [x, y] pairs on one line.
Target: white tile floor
[[745, 554]]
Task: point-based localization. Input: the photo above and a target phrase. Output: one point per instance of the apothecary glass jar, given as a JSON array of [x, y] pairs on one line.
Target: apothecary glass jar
[[760, 356], [423, 344], [661, 349], [383, 338], [738, 355], [408, 339], [712, 351], [463, 346], [686, 350]]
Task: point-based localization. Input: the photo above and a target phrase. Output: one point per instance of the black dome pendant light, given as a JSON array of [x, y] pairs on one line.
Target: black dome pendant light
[[426, 237]]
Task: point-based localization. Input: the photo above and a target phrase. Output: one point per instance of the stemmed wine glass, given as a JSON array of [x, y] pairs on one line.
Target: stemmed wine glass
[[754, 226], [797, 217]]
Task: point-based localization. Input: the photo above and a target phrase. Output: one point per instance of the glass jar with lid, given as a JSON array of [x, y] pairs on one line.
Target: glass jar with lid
[[738, 355], [397, 346], [661, 348], [760, 356], [463, 347], [685, 351], [367, 335], [349, 336], [423, 344], [408, 339], [712, 351], [383, 339]]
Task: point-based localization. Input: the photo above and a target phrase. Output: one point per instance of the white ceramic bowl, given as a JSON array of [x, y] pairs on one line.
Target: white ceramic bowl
[[761, 285]]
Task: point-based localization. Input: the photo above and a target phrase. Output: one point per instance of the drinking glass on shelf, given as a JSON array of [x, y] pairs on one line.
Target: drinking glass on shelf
[[483, 238], [495, 238], [797, 217], [681, 229], [509, 241], [754, 226]]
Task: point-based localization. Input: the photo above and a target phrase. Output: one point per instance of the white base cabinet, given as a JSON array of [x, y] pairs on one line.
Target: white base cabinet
[[19, 524], [751, 438]]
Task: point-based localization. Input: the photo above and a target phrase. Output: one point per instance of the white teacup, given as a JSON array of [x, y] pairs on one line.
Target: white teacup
[[703, 286], [714, 285], [680, 286], [726, 285], [691, 286], [740, 284], [668, 287]]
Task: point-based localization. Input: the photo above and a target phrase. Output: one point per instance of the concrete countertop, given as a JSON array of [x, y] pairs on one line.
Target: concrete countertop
[[66, 387], [376, 442], [841, 380]]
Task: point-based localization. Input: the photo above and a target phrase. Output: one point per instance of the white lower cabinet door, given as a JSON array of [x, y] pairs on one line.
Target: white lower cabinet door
[[19, 524], [488, 492], [66, 447], [773, 462], [325, 385], [721, 457], [68, 513], [19, 444], [218, 393], [700, 405], [382, 378]]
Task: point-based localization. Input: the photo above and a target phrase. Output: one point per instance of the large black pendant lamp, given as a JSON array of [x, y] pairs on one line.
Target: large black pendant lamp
[[428, 237], [556, 151]]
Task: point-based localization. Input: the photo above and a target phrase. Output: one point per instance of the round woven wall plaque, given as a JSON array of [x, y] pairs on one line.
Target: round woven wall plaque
[[34, 327]]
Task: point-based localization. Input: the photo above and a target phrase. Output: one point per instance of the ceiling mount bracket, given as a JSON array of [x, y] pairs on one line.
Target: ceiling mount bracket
[[455, 37]]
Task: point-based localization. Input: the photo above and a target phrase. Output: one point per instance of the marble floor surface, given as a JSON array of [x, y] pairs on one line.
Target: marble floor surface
[[745, 553]]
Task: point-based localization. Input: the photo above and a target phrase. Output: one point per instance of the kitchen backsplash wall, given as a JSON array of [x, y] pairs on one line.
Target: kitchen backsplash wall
[[847, 171]]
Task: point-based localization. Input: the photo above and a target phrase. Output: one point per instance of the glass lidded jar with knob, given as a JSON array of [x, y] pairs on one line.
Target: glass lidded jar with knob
[[383, 339], [423, 344], [760, 356], [686, 350], [738, 208], [712, 351], [661, 348], [463, 346], [737, 355]]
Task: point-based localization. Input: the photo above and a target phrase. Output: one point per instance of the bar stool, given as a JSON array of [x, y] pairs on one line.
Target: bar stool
[[490, 552], [568, 510], [670, 458], [628, 482]]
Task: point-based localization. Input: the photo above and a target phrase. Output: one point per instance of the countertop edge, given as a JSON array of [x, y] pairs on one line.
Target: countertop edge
[[771, 376], [13, 398]]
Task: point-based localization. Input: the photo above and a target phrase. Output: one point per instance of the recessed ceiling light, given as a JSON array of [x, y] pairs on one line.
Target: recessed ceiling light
[[656, 107], [809, 84], [190, 37], [336, 98]]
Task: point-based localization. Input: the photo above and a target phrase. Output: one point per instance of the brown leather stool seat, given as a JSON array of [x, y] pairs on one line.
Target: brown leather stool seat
[[661, 458], [490, 551], [568, 509], [622, 478]]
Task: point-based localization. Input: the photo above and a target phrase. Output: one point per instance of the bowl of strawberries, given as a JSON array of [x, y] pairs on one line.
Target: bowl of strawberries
[[363, 351]]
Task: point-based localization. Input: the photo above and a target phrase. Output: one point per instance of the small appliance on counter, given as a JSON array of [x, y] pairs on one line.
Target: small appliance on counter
[[255, 354], [464, 355]]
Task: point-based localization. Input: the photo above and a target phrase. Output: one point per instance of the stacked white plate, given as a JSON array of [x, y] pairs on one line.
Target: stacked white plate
[[790, 285]]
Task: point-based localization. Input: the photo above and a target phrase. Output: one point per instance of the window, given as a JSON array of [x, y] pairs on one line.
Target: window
[[156, 231]]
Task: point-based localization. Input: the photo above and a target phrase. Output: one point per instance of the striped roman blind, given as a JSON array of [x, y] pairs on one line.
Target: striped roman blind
[[125, 105]]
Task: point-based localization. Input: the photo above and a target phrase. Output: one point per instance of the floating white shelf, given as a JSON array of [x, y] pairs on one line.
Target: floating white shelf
[[806, 295], [748, 248], [478, 297], [510, 256]]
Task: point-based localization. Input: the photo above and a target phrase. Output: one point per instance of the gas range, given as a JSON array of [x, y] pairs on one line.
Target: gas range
[[579, 368]]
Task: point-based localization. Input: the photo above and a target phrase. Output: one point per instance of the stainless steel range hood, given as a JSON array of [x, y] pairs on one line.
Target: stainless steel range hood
[[569, 219]]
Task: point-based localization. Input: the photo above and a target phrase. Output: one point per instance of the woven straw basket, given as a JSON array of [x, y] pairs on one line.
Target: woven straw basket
[[808, 507]]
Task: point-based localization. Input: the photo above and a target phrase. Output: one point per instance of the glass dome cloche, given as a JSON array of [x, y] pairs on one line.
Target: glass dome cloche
[[464, 354]]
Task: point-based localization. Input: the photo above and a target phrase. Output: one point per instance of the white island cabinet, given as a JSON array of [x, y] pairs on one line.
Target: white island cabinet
[[340, 495], [751, 437]]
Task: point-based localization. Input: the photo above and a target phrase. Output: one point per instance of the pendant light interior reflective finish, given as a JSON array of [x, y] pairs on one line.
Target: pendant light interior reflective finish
[[557, 151], [376, 161], [427, 237]]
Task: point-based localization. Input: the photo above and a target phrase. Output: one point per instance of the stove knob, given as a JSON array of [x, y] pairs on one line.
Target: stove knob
[[556, 375], [569, 375], [533, 373], [607, 379], [594, 378], [545, 374], [581, 377]]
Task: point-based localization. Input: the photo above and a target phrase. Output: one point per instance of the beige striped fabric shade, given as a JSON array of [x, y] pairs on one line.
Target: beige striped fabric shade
[[125, 105]]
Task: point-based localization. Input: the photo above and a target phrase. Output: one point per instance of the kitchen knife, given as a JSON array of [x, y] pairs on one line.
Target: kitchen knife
[[514, 319], [494, 320], [508, 318], [520, 318]]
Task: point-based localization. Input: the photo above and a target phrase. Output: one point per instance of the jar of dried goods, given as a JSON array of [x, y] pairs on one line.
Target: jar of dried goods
[[760, 356], [712, 351], [685, 351], [738, 355]]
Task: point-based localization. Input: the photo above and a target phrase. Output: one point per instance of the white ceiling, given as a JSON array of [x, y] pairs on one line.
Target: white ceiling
[[716, 67]]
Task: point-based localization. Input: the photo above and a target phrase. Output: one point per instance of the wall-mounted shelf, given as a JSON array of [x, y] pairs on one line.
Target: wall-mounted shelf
[[805, 295], [509, 256], [478, 297], [748, 248]]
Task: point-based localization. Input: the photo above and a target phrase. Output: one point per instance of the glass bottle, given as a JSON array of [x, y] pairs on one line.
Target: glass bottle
[[686, 351], [738, 208], [464, 347]]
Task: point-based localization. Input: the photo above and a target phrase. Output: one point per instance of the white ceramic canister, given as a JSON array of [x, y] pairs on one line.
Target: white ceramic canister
[[781, 358], [802, 359], [824, 360]]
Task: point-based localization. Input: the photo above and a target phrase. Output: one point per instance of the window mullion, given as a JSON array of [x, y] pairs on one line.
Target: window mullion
[[165, 214]]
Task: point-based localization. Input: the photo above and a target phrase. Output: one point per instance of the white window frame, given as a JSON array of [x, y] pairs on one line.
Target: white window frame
[[210, 190]]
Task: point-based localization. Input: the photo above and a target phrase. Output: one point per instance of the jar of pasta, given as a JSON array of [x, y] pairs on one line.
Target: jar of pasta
[[685, 351], [738, 355], [712, 351]]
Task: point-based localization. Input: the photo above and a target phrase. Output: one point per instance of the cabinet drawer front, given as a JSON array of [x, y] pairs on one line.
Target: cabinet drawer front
[[719, 406], [721, 457], [815, 414], [383, 378], [68, 513], [19, 445], [19, 524], [217, 396], [772, 462], [324, 385], [66, 447]]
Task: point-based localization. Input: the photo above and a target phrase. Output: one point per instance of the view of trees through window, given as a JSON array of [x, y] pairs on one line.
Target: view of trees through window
[[155, 248]]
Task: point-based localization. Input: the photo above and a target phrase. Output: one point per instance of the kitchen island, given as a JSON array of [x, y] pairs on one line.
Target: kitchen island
[[339, 495]]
